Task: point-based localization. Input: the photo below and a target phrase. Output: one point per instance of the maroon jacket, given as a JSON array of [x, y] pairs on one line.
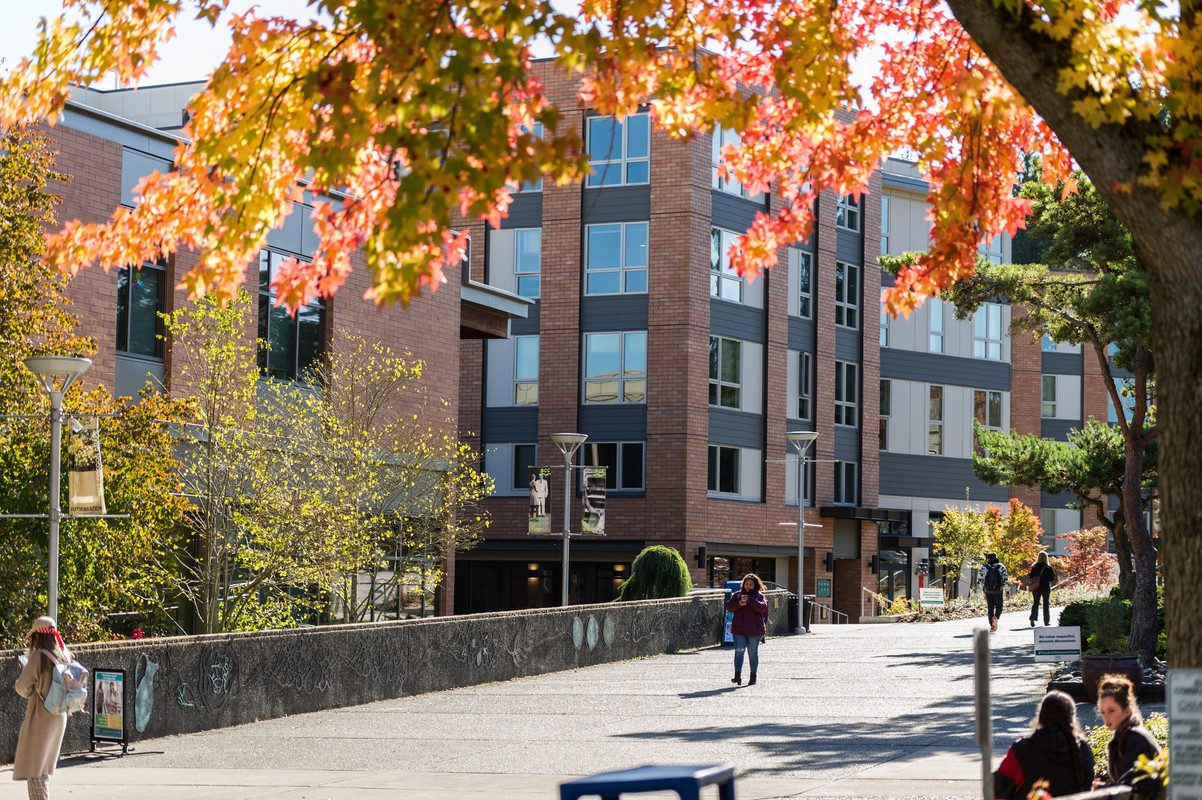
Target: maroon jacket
[[749, 619]]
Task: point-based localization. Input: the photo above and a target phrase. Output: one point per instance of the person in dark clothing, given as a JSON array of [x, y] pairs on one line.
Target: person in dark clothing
[[1056, 752], [1040, 581], [1120, 713], [750, 608], [993, 579]]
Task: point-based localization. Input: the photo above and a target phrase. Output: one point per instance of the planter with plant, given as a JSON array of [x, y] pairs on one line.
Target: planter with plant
[[1109, 623]]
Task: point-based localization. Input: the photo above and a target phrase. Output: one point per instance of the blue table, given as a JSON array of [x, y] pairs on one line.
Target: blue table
[[685, 781]]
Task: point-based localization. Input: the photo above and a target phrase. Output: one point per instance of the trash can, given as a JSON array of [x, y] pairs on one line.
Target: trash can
[[793, 612], [806, 609]]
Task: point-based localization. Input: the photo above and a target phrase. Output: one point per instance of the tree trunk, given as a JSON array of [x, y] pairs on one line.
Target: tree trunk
[[1122, 546], [1142, 640], [1167, 241]]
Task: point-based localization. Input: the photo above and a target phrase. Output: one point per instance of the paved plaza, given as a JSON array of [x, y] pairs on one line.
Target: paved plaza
[[847, 711]]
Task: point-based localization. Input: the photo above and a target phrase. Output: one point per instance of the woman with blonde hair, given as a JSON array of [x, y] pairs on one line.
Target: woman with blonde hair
[[1040, 580], [41, 735]]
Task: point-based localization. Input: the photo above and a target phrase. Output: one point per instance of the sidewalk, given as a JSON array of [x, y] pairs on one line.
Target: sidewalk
[[846, 711]]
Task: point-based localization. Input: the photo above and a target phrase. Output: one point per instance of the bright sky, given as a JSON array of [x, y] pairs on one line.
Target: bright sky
[[194, 52]]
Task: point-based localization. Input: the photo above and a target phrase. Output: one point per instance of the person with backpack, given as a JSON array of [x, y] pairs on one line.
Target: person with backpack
[[1040, 581], [993, 580], [41, 735]]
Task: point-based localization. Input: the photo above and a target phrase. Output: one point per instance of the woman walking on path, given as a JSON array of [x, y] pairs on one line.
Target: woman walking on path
[[750, 608], [1120, 713], [41, 735], [1040, 580], [1056, 752]]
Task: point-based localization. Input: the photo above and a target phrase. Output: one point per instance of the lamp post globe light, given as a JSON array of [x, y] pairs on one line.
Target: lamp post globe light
[[800, 441], [55, 374], [568, 444]]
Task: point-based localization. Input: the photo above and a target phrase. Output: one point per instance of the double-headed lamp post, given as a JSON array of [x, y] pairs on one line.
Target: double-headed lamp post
[[568, 444], [801, 441], [55, 374]]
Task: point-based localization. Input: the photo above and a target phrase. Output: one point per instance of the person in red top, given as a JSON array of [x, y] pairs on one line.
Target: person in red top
[[1056, 751], [750, 608]]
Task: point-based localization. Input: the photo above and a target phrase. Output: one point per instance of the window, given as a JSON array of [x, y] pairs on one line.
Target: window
[[615, 367], [537, 186], [885, 225], [616, 258], [294, 344], [805, 280], [525, 370], [847, 295], [846, 391], [527, 261], [935, 341], [987, 332], [1047, 345], [619, 151], [935, 424], [886, 410], [726, 356], [1126, 389], [884, 325], [992, 250], [723, 472], [805, 385], [987, 410], [524, 457], [847, 214], [845, 483], [1047, 408], [725, 282], [623, 462], [1047, 521], [730, 185], [141, 296]]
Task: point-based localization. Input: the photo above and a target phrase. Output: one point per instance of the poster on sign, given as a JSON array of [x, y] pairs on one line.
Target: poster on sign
[[539, 519], [1184, 700], [931, 597], [108, 709], [1058, 644]]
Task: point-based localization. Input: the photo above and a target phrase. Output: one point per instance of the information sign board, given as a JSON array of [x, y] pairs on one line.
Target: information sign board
[[930, 597], [1184, 702], [108, 705], [1058, 644]]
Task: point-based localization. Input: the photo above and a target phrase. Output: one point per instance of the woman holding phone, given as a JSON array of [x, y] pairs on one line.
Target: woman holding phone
[[750, 609]]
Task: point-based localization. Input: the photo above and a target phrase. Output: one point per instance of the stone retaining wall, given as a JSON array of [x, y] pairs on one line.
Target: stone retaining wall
[[186, 684]]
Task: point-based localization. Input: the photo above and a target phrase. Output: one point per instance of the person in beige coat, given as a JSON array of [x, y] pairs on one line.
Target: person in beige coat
[[41, 735]]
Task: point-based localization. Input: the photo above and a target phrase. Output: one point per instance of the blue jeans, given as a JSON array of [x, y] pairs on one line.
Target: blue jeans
[[750, 644]]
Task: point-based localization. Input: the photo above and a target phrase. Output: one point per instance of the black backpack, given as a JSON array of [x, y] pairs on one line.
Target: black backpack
[[993, 577]]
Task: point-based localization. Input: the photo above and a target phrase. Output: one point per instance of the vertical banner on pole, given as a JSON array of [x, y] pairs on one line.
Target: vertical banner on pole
[[85, 476], [539, 520], [593, 520]]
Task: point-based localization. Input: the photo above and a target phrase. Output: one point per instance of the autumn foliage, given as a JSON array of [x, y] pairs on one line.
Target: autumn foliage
[[1087, 560]]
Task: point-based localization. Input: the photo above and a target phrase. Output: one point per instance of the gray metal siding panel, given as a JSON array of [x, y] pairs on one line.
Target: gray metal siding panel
[[847, 345], [849, 246], [509, 424], [526, 211], [1057, 428], [529, 325], [847, 443], [1061, 364], [614, 313], [907, 475], [801, 334], [887, 280], [977, 373], [616, 204], [161, 145], [1061, 500], [614, 423], [893, 179], [736, 429], [736, 321], [733, 213]]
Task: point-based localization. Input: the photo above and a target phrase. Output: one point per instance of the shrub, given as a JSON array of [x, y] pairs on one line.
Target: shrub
[[657, 572]]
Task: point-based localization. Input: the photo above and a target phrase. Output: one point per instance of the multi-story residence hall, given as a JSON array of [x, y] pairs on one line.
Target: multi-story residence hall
[[610, 309], [686, 377]]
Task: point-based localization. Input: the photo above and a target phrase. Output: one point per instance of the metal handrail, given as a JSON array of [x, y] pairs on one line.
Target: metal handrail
[[824, 611], [873, 601]]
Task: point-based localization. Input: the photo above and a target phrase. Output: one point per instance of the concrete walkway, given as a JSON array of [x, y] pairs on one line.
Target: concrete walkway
[[847, 711]]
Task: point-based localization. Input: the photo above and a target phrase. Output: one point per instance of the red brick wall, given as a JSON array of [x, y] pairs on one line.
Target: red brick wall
[[1026, 386]]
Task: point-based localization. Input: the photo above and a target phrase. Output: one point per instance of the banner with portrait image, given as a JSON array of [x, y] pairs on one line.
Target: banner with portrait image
[[539, 518], [593, 520]]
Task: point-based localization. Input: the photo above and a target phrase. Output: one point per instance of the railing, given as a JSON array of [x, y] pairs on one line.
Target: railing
[[828, 615], [870, 602]]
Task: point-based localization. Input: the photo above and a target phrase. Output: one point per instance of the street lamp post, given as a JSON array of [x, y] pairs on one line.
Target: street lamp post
[[568, 444], [801, 441], [55, 374]]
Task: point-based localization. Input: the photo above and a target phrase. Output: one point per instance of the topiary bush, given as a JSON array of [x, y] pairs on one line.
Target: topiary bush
[[657, 572]]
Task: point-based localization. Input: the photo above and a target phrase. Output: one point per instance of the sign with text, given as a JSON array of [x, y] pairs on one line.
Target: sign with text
[[824, 587], [108, 713], [930, 598], [1184, 706], [540, 510], [1058, 644]]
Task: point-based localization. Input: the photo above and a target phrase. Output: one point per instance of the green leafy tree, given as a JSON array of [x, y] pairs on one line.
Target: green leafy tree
[[1014, 536], [105, 566], [657, 572], [960, 539]]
